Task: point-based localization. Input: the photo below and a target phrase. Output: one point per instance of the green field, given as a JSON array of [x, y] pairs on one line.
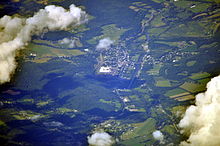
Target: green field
[[193, 87], [204, 81], [155, 70], [172, 44], [200, 75], [161, 82], [190, 63], [141, 132], [111, 31], [175, 91], [42, 51], [199, 7], [157, 21], [179, 94]]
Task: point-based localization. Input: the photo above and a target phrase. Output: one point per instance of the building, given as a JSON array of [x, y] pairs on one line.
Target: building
[[104, 69]]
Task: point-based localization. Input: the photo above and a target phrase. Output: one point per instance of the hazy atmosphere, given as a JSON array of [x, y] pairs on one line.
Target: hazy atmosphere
[[110, 72]]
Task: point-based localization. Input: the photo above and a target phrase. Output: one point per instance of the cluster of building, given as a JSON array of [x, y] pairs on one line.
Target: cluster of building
[[114, 61]]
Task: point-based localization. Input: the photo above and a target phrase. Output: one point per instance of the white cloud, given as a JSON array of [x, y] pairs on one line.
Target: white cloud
[[100, 139], [158, 136], [202, 120], [104, 44], [69, 42], [16, 32]]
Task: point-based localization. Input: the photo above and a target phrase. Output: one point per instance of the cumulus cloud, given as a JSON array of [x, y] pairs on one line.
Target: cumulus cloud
[[16, 32], [201, 121], [100, 139], [158, 136], [69, 42], [104, 44]]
